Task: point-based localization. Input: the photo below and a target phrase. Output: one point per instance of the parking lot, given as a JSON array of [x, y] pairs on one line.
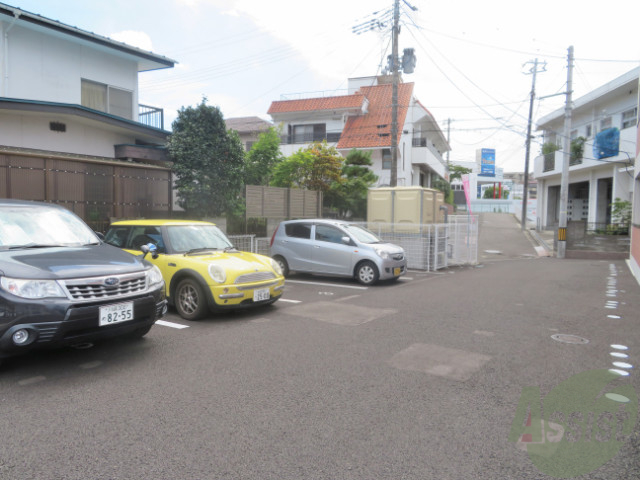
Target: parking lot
[[416, 379]]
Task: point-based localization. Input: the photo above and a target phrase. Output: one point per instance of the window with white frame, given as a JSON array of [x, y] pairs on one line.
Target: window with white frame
[[108, 99], [629, 118], [386, 159], [605, 123], [587, 131]]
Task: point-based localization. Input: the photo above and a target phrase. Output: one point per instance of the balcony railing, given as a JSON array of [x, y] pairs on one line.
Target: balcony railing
[[419, 142], [151, 116], [309, 138], [549, 162]]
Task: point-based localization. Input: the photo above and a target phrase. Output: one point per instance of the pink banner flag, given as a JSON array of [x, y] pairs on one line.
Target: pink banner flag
[[465, 185]]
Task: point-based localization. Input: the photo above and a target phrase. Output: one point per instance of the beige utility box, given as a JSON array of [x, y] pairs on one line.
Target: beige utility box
[[405, 205]]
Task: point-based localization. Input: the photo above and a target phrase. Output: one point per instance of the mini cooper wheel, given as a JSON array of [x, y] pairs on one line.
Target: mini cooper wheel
[[284, 266], [190, 300], [367, 273]]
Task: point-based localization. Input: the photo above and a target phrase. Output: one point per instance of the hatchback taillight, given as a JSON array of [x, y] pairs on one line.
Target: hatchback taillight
[[273, 236]]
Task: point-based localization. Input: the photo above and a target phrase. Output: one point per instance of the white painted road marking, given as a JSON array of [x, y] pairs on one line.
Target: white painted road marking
[[171, 324], [327, 284], [289, 301]]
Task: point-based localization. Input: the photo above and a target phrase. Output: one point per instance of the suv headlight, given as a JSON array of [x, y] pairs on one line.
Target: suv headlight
[[32, 288], [217, 273], [382, 253], [154, 276], [276, 266]]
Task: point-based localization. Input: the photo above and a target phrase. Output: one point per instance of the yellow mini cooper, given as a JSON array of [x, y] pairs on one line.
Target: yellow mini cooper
[[201, 268]]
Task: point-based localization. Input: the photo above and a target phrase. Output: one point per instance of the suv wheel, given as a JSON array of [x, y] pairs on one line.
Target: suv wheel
[[367, 273], [190, 300]]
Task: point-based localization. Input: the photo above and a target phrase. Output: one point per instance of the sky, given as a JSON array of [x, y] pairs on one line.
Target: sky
[[474, 59]]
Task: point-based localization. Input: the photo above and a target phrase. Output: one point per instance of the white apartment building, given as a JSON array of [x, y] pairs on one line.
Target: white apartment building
[[606, 120], [362, 119]]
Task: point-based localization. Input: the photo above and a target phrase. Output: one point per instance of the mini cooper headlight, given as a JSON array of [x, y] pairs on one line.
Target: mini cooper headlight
[[217, 273], [154, 275], [276, 266], [32, 288]]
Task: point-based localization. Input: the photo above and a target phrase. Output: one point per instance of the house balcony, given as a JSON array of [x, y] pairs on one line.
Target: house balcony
[[424, 154], [151, 116], [309, 138], [551, 164]]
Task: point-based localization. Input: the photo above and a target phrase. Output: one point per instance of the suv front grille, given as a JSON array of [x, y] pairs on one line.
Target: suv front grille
[[96, 288], [397, 256], [254, 277]]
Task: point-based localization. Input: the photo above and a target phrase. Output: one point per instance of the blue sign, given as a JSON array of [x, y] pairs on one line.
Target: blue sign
[[488, 162]]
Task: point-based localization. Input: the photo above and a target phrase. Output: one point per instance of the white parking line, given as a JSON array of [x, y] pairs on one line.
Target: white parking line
[[171, 324], [327, 284], [289, 301]]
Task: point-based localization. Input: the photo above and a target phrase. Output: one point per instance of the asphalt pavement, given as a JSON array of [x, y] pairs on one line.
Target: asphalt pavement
[[418, 379]]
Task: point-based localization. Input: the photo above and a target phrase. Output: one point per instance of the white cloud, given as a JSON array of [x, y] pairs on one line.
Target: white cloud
[[134, 38]]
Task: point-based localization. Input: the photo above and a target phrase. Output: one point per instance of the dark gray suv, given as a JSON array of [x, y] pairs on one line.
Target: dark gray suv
[[334, 247], [61, 285]]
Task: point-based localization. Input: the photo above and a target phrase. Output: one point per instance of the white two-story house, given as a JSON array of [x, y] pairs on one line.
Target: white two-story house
[[71, 127], [362, 119], [604, 121]]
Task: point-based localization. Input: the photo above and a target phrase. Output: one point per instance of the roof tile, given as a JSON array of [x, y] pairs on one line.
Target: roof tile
[[374, 129], [323, 103]]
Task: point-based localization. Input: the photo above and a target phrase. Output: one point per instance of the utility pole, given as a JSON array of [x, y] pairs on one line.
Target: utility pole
[[394, 95], [533, 71], [566, 154]]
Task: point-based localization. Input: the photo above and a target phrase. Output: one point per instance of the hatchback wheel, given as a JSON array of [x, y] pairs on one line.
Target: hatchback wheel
[[190, 300], [367, 273]]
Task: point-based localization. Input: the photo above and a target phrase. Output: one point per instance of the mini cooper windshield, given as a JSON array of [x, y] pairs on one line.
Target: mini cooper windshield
[[37, 227], [193, 239]]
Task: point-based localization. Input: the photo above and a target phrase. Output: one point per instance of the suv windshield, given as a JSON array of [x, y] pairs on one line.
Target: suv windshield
[[361, 234], [37, 226], [185, 238]]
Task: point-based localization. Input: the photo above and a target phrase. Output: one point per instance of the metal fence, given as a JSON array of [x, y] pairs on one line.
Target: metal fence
[[428, 247]]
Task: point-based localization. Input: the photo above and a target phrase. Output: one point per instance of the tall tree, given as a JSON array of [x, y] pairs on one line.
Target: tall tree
[[314, 168], [264, 155], [349, 195], [456, 171], [208, 161]]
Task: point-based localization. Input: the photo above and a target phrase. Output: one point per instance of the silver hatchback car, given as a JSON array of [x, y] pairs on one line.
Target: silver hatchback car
[[334, 247]]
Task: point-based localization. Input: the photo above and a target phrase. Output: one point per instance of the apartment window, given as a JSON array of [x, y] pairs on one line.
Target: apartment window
[[386, 159], [587, 131], [629, 118], [573, 135], [106, 98], [605, 123]]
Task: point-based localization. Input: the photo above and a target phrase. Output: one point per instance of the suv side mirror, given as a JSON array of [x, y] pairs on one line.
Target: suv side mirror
[[149, 248]]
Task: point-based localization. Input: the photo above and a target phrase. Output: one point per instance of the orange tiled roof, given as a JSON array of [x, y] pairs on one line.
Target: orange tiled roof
[[324, 103], [374, 128]]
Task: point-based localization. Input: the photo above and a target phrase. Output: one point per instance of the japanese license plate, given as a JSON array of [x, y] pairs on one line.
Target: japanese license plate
[[121, 312], [397, 271], [261, 294]]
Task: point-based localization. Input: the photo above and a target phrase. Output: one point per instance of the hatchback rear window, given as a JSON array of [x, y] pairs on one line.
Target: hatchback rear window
[[298, 230]]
